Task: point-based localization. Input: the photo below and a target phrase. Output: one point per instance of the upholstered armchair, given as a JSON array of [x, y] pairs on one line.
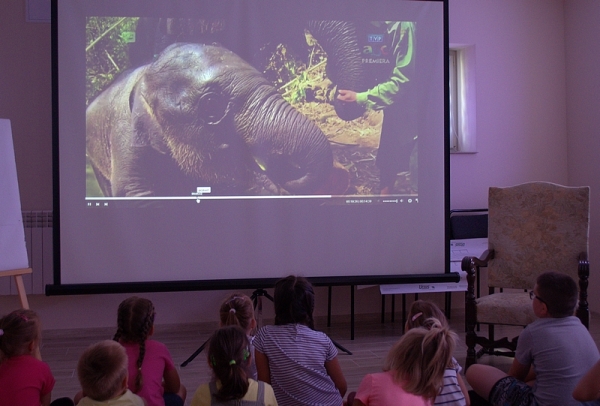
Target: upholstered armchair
[[532, 228]]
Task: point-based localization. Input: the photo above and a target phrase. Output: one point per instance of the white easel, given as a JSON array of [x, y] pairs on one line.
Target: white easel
[[13, 250]]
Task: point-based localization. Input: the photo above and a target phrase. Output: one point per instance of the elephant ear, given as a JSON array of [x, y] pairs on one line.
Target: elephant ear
[[146, 128]]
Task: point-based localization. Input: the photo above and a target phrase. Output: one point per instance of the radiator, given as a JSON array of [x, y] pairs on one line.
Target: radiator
[[38, 239]]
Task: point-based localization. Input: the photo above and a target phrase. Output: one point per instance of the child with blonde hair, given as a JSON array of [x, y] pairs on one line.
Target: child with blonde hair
[[152, 373], [413, 370], [102, 373], [454, 392], [238, 310], [229, 358], [24, 379]]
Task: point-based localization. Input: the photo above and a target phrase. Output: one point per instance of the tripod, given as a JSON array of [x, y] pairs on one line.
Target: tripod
[[256, 298]]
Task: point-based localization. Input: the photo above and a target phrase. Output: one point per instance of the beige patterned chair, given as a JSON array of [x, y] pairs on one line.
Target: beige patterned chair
[[533, 227]]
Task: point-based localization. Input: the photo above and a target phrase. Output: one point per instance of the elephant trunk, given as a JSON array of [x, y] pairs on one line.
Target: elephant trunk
[[344, 67], [287, 146]]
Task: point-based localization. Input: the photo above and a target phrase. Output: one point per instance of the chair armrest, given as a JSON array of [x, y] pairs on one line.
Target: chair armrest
[[470, 264]]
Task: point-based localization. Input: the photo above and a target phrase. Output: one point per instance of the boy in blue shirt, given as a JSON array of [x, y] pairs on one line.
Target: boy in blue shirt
[[553, 353]]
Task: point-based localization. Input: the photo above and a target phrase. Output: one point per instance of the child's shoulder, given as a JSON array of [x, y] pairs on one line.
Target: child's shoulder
[[561, 329], [542, 323], [127, 399], [155, 344], [25, 361]]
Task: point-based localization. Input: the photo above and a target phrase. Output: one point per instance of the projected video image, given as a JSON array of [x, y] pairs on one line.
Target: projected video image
[[193, 107]]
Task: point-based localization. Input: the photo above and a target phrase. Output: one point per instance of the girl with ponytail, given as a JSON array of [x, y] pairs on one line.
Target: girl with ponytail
[[229, 358], [455, 392], [238, 310], [413, 370], [150, 362], [24, 379]]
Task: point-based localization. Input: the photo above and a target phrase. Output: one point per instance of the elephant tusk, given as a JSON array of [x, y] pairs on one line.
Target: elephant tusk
[[261, 164]]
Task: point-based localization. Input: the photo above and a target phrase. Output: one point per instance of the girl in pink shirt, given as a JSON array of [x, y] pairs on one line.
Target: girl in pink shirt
[[24, 379], [413, 370], [152, 374]]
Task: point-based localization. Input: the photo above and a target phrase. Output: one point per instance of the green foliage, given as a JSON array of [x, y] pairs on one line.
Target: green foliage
[[92, 188], [107, 40], [296, 80]]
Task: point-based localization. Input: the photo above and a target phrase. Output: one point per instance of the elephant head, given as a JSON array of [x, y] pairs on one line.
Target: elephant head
[[338, 39], [201, 116]]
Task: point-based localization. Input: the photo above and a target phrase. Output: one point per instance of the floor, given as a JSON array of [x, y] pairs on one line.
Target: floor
[[61, 348]]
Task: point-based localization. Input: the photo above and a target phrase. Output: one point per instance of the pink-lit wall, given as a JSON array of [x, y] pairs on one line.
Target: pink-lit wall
[[538, 111], [582, 17], [521, 130]]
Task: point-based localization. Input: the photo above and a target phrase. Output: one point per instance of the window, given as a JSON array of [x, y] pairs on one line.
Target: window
[[462, 99], [454, 144]]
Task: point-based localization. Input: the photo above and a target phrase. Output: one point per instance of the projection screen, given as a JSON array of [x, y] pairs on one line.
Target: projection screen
[[224, 144]]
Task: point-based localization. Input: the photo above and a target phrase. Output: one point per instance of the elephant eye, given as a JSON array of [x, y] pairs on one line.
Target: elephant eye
[[212, 107]]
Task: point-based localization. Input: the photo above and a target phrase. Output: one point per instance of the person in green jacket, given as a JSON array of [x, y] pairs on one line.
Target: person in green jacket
[[395, 73]]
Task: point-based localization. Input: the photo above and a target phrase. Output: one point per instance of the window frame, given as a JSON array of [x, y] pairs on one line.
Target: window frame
[[462, 99]]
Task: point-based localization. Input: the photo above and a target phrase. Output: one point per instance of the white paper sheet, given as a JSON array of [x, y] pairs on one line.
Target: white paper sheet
[[13, 251]]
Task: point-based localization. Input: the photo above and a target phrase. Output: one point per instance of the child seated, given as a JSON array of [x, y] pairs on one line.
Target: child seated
[[557, 345], [229, 358], [102, 373], [300, 363], [238, 310], [454, 391], [24, 380], [152, 373], [413, 370]]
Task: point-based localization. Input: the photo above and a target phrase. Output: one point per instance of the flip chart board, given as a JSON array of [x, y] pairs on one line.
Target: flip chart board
[[13, 251]]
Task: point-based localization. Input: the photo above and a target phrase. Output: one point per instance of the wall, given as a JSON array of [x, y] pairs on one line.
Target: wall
[[522, 126], [520, 89], [25, 99], [582, 19]]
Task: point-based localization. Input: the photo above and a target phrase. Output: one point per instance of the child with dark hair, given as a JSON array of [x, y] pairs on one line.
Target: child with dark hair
[[152, 374], [300, 363], [238, 310], [102, 373], [413, 372], [553, 353], [24, 379], [454, 391], [229, 358]]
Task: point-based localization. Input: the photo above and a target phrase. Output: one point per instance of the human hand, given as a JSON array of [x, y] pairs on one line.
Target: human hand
[[346, 95]]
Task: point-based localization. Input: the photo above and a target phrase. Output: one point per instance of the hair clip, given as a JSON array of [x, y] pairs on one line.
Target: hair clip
[[232, 299], [416, 316], [232, 310], [23, 317], [246, 354], [232, 362]]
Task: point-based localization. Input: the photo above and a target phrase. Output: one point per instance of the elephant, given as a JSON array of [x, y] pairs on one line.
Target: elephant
[[338, 39], [200, 116]]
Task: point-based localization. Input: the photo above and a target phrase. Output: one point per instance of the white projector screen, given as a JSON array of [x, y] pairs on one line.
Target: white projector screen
[[217, 144]]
